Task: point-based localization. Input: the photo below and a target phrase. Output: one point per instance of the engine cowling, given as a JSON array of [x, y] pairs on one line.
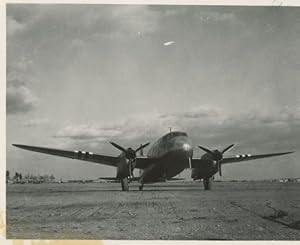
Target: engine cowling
[[217, 156], [127, 160]]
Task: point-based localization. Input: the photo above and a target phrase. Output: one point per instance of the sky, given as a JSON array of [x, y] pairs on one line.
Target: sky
[[79, 76]]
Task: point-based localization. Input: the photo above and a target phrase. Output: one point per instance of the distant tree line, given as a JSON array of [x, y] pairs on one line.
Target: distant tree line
[[29, 178]]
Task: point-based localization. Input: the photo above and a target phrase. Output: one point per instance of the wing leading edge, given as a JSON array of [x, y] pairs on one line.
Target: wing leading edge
[[247, 157], [240, 158], [79, 155], [141, 162]]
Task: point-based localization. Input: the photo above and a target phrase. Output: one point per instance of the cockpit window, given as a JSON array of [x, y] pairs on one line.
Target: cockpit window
[[174, 134], [179, 134]]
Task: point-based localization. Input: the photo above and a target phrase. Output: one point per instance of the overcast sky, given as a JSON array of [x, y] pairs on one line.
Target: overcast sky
[[79, 76]]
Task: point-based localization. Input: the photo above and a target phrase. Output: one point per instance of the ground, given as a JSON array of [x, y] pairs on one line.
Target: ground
[[177, 210]]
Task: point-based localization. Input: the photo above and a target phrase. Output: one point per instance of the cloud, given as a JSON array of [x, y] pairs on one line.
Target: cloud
[[35, 122], [208, 119], [214, 16], [100, 21], [204, 111], [77, 43], [20, 17], [271, 118], [136, 18], [13, 26], [142, 125], [253, 131], [86, 132], [19, 98], [17, 67], [212, 126], [200, 117]]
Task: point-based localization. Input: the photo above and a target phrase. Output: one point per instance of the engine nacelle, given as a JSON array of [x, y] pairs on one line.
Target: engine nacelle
[[203, 171], [123, 170]]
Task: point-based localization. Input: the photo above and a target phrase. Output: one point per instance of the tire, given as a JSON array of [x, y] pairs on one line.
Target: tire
[[124, 184], [207, 182]]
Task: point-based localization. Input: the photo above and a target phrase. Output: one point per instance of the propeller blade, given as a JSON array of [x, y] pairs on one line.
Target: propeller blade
[[228, 148], [205, 149], [142, 146], [118, 147], [220, 168], [131, 167], [141, 152]]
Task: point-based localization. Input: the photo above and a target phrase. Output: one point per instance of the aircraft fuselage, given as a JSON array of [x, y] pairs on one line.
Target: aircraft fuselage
[[172, 152]]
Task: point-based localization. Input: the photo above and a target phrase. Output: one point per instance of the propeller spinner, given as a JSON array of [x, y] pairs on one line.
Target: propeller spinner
[[217, 155]]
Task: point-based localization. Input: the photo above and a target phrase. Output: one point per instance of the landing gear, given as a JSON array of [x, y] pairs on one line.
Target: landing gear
[[207, 182], [124, 183], [141, 187]]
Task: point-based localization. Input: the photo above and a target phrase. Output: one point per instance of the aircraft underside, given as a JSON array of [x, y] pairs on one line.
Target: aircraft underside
[[169, 167], [157, 176]]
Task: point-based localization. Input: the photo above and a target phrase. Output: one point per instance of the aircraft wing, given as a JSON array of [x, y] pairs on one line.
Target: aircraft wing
[[144, 162], [239, 158], [79, 155], [248, 157]]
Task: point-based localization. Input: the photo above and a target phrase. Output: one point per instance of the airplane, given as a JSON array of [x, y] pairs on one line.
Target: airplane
[[167, 157]]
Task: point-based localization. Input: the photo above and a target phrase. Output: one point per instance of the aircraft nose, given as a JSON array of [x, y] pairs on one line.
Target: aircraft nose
[[187, 149], [181, 147], [186, 146]]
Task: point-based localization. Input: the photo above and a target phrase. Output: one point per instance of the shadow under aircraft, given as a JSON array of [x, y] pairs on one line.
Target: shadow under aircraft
[[166, 158]]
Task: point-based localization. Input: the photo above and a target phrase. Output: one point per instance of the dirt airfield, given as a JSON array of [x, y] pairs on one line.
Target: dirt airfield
[[177, 210]]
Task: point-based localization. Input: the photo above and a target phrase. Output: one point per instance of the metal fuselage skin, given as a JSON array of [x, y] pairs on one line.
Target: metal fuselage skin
[[172, 154]]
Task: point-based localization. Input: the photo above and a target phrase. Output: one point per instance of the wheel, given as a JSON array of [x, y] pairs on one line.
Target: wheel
[[141, 187], [124, 184], [207, 183]]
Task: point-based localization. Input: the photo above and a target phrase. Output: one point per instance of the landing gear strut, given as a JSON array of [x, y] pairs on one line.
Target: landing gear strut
[[124, 183], [207, 182]]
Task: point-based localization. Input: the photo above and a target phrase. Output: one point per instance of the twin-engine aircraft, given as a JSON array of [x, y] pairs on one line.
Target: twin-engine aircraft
[[166, 158]]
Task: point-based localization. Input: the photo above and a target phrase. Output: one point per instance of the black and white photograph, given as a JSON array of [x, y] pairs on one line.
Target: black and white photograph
[[152, 122]]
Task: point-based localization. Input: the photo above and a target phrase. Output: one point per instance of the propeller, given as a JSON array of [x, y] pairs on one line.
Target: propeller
[[217, 155], [130, 154], [141, 152]]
